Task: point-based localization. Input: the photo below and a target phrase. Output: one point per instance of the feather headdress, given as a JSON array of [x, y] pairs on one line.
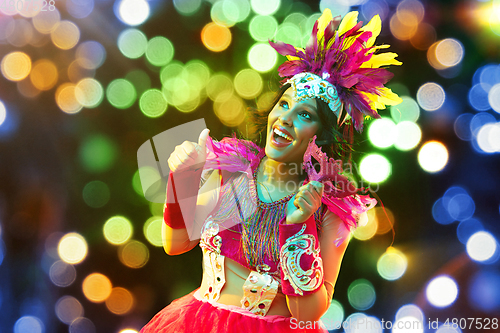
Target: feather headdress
[[342, 54]]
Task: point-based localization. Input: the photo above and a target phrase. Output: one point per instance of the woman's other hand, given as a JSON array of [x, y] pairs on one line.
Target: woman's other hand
[[303, 204], [189, 155]]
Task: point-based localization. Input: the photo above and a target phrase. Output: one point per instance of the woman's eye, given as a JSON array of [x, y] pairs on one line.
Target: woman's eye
[[284, 104], [306, 115]]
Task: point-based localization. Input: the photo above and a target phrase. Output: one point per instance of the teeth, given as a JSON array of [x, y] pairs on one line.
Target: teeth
[[280, 133]]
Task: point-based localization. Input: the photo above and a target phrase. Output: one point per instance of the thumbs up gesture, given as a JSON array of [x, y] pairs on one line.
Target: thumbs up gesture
[[189, 155]]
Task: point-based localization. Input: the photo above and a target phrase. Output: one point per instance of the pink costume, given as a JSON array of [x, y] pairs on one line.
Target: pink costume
[[221, 238]]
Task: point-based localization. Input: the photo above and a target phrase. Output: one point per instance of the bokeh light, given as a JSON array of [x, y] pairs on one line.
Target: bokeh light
[[96, 194], [384, 219], [449, 52], [72, 248], [467, 228], [68, 309], [430, 96], [289, 33], [89, 92], [403, 24], [30, 324], [484, 291], [338, 7], [408, 135], [82, 325], [134, 254], [262, 57], [44, 74], [220, 84], [230, 109], [367, 231], [132, 12], [159, 51], [216, 37], [153, 103], [248, 83], [408, 110], [410, 310], [479, 121], [225, 13], [98, 153], [152, 230], [3, 113], [433, 156], [80, 9], [440, 213], [66, 98], [334, 316], [96, 287], [488, 138], [462, 126], [120, 301], [262, 28], [445, 54], [16, 66], [20, 32], [62, 274], [481, 246], [121, 93], [375, 168], [117, 230], [156, 208], [65, 35], [392, 264], [361, 294], [382, 132], [460, 206], [424, 37], [45, 22], [494, 97], [265, 7], [132, 43], [441, 291], [478, 97], [187, 7], [90, 54]]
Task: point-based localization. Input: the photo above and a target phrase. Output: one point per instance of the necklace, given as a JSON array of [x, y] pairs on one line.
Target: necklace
[[260, 232]]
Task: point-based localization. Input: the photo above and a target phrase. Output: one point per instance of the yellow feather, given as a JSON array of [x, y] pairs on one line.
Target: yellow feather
[[348, 22], [323, 22], [386, 97], [375, 26], [382, 59]]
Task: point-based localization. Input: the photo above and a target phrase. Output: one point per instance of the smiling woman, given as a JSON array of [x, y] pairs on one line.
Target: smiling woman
[[273, 228]]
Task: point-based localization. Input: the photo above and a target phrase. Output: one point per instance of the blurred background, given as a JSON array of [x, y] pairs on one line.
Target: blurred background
[[84, 83]]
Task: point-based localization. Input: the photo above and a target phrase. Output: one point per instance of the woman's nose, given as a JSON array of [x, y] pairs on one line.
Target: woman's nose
[[286, 117]]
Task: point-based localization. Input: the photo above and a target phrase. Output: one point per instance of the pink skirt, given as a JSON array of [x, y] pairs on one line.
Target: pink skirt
[[192, 314]]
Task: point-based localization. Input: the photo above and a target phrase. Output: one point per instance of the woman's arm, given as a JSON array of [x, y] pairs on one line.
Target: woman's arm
[[311, 307], [180, 240]]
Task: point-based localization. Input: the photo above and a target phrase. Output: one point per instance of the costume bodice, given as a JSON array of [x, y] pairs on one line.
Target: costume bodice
[[223, 238]]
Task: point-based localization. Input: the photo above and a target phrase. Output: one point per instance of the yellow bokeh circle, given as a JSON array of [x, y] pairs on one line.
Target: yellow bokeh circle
[[96, 287], [72, 248], [16, 66]]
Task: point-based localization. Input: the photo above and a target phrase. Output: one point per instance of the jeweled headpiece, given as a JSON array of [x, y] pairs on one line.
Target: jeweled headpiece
[[341, 67]]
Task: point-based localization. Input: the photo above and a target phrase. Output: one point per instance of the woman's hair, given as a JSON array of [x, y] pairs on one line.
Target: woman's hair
[[329, 138]]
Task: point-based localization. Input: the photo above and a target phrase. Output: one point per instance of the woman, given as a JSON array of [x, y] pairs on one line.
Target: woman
[[273, 231]]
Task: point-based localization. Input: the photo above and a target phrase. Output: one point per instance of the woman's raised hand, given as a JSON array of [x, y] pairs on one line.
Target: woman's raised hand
[[189, 155], [303, 204]]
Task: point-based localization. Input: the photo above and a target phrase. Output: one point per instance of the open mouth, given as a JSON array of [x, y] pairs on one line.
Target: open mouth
[[281, 137]]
